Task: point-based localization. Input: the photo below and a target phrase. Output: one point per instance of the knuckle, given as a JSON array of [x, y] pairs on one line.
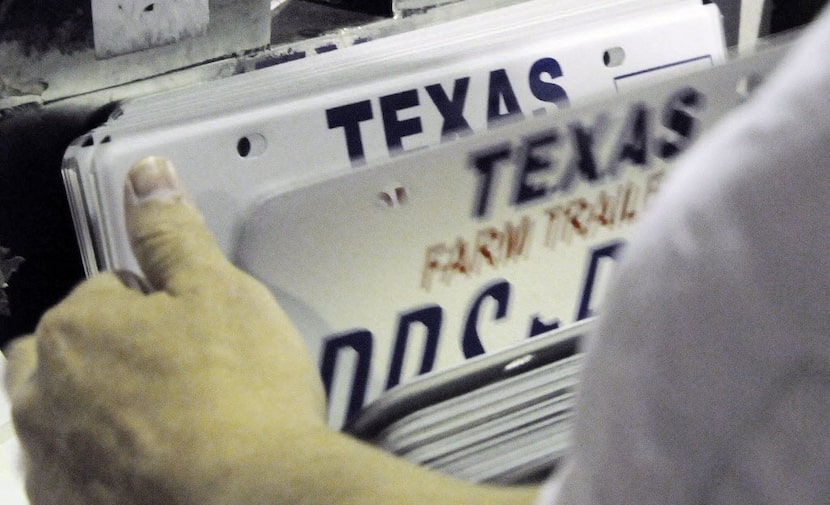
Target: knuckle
[[51, 333]]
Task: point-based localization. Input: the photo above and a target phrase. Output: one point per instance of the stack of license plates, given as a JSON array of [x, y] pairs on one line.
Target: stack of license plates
[[502, 418], [370, 187], [446, 203]]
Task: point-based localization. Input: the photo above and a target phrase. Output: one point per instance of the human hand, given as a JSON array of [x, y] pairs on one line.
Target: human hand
[[201, 392], [127, 398]]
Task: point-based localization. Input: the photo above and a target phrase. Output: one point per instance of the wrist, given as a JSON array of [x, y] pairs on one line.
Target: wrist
[[325, 467]]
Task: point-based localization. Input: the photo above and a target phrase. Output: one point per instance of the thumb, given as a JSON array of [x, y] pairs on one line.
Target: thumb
[[170, 240]]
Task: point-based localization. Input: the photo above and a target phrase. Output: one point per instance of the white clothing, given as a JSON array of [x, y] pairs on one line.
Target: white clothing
[[709, 379]]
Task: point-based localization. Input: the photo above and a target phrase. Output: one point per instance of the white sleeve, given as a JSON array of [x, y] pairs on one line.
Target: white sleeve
[[709, 378]]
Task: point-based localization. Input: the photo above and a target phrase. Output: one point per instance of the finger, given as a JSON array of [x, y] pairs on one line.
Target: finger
[[21, 361], [169, 237]]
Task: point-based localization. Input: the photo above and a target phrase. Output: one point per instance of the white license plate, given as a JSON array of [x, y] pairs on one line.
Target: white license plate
[[395, 268], [433, 259]]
